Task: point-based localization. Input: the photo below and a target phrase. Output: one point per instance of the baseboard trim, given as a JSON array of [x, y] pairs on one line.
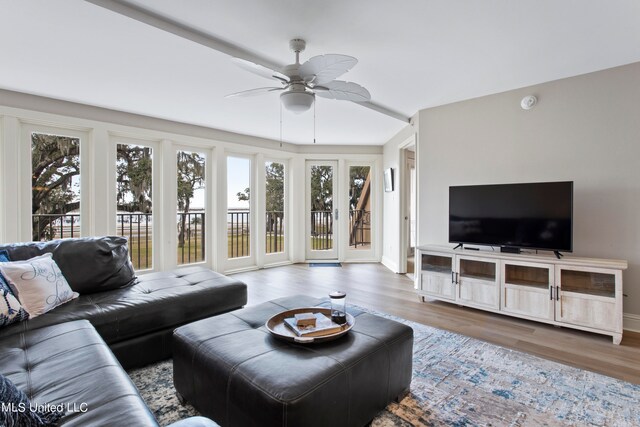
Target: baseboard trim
[[631, 322], [390, 264]]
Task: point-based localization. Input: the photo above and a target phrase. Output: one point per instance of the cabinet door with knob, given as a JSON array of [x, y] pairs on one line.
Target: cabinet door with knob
[[478, 282], [528, 289], [437, 276], [590, 297]]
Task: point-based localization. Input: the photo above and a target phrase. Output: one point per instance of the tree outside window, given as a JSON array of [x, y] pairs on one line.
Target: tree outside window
[[55, 186]]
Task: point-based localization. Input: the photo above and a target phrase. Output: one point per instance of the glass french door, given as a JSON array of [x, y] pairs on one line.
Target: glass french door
[[321, 210]]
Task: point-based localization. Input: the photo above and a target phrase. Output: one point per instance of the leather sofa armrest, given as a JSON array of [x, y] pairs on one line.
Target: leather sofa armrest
[[195, 422]]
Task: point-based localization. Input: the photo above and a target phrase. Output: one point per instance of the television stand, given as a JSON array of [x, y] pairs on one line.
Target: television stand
[[572, 292], [558, 254], [509, 249]]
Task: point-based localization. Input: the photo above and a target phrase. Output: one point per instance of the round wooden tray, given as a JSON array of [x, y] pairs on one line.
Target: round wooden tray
[[278, 329]]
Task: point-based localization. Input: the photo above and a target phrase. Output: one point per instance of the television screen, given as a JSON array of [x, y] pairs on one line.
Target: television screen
[[531, 215]]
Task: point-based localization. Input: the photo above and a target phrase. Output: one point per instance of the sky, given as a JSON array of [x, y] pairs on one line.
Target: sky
[[238, 178]]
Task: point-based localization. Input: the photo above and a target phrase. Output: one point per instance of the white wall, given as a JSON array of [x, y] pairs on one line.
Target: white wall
[[391, 210], [584, 129]]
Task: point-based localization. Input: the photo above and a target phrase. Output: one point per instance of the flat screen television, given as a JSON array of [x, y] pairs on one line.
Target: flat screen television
[[530, 215]]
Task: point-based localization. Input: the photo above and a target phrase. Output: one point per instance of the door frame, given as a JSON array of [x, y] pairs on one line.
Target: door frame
[[331, 254], [371, 254], [244, 262], [403, 237]]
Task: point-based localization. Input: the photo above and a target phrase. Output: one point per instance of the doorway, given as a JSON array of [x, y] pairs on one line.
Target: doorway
[[410, 208], [408, 202], [321, 210]]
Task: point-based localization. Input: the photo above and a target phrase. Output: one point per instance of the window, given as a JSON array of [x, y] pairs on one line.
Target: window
[[55, 186], [274, 207], [360, 207], [238, 207], [321, 191], [134, 183], [191, 207]]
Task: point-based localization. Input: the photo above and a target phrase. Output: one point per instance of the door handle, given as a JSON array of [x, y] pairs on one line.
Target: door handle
[[452, 281], [456, 277], [557, 293], [551, 293]]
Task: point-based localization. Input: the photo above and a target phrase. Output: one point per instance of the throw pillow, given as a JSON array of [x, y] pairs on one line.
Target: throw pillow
[[90, 264], [17, 411], [38, 284], [10, 309]]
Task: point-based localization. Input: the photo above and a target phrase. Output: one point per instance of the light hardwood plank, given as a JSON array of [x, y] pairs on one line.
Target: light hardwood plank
[[375, 287]]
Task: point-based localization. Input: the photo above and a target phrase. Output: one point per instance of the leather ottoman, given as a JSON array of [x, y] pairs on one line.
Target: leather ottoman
[[232, 370]]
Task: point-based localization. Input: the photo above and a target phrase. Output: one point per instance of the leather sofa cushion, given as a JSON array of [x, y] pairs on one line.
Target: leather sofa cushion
[[90, 264], [70, 364], [156, 301]]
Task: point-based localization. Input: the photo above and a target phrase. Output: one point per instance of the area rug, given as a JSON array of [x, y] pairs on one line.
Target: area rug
[[460, 381]]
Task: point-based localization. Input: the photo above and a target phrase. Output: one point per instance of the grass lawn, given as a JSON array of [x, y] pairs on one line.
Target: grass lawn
[[141, 255], [237, 246]]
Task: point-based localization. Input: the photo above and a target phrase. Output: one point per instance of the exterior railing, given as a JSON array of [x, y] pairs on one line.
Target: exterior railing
[[238, 233], [138, 229], [321, 230], [359, 228], [274, 238], [55, 226], [191, 237]]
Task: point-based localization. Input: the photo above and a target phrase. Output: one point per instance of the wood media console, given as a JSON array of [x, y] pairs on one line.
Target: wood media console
[[580, 293]]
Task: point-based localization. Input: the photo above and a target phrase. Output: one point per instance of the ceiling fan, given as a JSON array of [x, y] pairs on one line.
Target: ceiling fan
[[300, 83]]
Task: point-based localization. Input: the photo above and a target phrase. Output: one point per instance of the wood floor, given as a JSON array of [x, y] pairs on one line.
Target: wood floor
[[374, 286]]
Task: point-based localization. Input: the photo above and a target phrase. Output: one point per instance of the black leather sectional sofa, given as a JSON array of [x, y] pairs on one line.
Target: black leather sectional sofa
[[67, 355]]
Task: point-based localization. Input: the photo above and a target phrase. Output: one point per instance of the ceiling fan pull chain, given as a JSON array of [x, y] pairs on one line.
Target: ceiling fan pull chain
[[314, 121]]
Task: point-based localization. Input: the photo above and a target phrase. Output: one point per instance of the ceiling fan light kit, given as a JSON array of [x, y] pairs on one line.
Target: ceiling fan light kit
[[300, 83], [297, 102]]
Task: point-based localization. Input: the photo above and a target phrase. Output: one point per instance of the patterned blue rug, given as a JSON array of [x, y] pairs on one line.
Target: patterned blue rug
[[461, 381]]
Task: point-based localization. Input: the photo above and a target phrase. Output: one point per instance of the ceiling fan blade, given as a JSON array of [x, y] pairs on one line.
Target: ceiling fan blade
[[345, 91], [259, 70], [254, 92], [325, 68]]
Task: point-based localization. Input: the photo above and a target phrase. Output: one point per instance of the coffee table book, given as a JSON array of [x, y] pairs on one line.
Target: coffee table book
[[324, 326]]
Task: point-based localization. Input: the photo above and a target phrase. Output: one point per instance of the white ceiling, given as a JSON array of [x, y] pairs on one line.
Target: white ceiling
[[412, 54]]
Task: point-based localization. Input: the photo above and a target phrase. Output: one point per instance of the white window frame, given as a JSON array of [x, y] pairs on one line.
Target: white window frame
[[157, 189], [87, 197], [241, 263], [368, 255], [208, 202], [278, 257]]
